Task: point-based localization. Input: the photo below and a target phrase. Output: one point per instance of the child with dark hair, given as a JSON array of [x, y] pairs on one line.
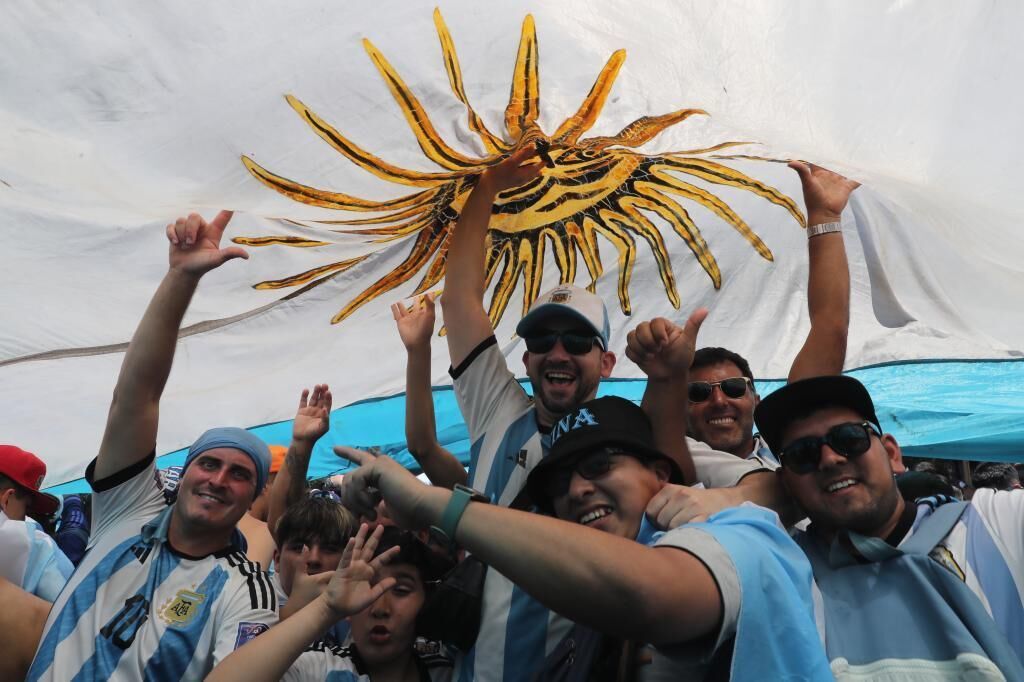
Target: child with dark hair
[[381, 586]]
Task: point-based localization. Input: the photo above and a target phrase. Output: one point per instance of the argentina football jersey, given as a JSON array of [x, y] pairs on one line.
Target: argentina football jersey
[[136, 609]]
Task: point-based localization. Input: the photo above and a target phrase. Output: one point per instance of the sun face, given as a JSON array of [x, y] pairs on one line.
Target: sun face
[[599, 187]]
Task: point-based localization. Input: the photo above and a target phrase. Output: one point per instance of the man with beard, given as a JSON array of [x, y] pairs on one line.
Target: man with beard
[[566, 333], [164, 591], [721, 391], [931, 590]]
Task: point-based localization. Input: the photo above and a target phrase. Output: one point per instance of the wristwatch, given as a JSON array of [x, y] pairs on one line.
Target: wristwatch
[[823, 228], [444, 531]]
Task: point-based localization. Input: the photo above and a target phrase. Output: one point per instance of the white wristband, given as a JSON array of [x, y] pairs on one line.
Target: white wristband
[[824, 228]]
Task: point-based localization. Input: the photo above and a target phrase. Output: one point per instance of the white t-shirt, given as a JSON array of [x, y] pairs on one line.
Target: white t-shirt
[[517, 632], [31, 559], [135, 609]]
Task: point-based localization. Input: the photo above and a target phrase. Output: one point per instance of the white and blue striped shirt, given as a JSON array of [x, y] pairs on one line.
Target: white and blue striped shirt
[[135, 609], [31, 559]]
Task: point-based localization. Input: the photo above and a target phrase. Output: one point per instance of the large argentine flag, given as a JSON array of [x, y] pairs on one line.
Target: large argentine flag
[[346, 136]]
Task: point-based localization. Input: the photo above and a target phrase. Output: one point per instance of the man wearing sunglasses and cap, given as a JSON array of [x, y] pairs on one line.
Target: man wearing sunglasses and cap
[[165, 590], [566, 333], [29, 558], [933, 589], [721, 391]]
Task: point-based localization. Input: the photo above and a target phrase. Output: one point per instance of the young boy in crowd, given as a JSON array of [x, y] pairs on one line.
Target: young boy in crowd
[[380, 585]]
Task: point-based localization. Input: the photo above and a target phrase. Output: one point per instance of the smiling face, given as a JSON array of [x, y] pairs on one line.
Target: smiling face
[[215, 491], [724, 423], [386, 630], [562, 381], [614, 502], [857, 493]]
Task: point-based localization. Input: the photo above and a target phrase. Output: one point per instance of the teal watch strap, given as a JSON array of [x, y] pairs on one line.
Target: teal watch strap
[[453, 512]]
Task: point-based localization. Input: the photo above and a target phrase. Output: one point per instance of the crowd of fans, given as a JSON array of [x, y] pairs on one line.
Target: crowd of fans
[[703, 534]]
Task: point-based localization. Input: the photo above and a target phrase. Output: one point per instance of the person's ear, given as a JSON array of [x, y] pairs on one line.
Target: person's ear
[[662, 469], [607, 364], [894, 454]]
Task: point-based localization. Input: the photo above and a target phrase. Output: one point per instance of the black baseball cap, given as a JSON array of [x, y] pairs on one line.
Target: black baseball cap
[[605, 422], [797, 400]]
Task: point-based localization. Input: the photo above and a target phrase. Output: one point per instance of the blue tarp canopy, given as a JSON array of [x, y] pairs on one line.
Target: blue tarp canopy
[[951, 409]]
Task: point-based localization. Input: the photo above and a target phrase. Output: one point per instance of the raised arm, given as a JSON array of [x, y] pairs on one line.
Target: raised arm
[[351, 589], [664, 351], [130, 434], [464, 283], [312, 421], [617, 586], [828, 281], [416, 327]]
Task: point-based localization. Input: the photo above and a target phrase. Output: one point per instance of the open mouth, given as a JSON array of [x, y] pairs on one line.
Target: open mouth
[[559, 378], [593, 515], [722, 421], [210, 498], [379, 634], [839, 485]]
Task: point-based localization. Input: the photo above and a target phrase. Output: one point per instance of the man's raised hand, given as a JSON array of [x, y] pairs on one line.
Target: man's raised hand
[[415, 325], [664, 350], [511, 172], [313, 418], [380, 477], [353, 586], [825, 193], [195, 244]]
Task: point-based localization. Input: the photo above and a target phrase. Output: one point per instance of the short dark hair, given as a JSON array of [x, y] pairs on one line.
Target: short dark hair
[[413, 552], [713, 355], [315, 521], [20, 490], [998, 475]]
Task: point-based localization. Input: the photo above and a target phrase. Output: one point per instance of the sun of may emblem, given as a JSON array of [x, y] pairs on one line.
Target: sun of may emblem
[[598, 187]]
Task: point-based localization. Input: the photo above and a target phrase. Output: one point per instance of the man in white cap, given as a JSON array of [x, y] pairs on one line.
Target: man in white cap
[[566, 333], [164, 591]]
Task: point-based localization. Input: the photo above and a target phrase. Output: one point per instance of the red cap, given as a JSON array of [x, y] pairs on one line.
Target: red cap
[[28, 471]]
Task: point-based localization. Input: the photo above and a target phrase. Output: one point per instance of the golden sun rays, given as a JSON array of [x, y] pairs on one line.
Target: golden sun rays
[[598, 188]]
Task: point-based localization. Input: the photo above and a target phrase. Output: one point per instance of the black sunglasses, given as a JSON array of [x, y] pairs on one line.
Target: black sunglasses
[[591, 467], [736, 387], [572, 342], [852, 439]]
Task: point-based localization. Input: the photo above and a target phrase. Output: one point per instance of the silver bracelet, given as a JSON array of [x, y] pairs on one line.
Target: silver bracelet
[[824, 228]]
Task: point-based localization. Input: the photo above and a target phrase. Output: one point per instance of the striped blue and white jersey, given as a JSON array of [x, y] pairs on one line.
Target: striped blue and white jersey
[[325, 661], [31, 559], [135, 609], [984, 550], [516, 631]]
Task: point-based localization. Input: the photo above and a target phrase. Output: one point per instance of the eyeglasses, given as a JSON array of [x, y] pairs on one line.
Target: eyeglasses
[[736, 387], [591, 467], [573, 343], [852, 439]]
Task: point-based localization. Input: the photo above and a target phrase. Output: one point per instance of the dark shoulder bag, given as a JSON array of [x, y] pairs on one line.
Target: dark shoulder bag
[[452, 610]]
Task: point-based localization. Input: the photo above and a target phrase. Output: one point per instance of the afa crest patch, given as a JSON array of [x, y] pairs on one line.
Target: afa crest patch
[[183, 608], [247, 631]]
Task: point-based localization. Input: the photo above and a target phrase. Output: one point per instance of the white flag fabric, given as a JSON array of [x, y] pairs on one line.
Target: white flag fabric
[[347, 135]]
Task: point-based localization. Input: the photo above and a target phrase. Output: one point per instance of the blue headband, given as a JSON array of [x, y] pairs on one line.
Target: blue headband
[[239, 439]]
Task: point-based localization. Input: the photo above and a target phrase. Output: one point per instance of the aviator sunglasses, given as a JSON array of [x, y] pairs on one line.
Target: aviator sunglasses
[[573, 343], [736, 387], [852, 439]]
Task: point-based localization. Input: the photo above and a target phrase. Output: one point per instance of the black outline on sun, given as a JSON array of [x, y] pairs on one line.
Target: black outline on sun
[[599, 187]]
